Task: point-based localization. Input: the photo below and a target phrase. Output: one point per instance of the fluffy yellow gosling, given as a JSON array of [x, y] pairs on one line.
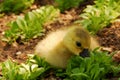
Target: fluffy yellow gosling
[[60, 45]]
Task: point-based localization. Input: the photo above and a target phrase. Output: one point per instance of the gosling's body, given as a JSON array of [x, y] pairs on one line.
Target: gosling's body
[[53, 50], [60, 45]]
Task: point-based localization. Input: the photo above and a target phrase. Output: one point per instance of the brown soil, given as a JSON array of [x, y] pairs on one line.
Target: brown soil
[[108, 37], [17, 51]]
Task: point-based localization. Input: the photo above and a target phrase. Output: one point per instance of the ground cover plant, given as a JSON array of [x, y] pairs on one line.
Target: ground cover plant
[[100, 15], [95, 67], [65, 4], [30, 70], [14, 5], [100, 64], [31, 25]]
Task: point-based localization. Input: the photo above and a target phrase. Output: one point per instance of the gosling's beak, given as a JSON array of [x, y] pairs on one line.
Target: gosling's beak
[[85, 53]]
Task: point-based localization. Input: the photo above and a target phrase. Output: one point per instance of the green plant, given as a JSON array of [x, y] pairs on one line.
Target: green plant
[[99, 15], [15, 5], [31, 25], [66, 4], [25, 71], [95, 67]]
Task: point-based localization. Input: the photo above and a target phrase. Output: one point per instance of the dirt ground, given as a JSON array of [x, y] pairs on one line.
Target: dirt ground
[[18, 51], [108, 37]]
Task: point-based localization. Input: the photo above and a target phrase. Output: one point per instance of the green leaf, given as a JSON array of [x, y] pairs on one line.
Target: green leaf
[[31, 25], [99, 15], [67, 4], [15, 5]]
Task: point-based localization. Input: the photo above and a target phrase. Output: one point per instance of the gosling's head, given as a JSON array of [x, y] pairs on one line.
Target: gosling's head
[[77, 40]]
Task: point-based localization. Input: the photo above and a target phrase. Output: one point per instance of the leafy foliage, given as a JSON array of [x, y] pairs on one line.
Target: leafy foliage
[[31, 25], [95, 67], [66, 4], [25, 71], [15, 5], [99, 15]]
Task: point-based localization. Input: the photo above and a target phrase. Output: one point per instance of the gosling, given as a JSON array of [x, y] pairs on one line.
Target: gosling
[[60, 45]]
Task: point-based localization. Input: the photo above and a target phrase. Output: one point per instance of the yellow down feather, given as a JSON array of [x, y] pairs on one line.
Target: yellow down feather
[[60, 45]]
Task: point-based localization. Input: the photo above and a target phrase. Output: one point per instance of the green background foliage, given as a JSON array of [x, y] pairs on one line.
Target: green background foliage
[[67, 4], [15, 5]]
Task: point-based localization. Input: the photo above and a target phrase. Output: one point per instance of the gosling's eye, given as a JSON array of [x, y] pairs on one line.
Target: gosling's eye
[[78, 44]]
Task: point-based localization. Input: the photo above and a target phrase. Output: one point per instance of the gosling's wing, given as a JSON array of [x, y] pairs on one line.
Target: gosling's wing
[[50, 42]]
